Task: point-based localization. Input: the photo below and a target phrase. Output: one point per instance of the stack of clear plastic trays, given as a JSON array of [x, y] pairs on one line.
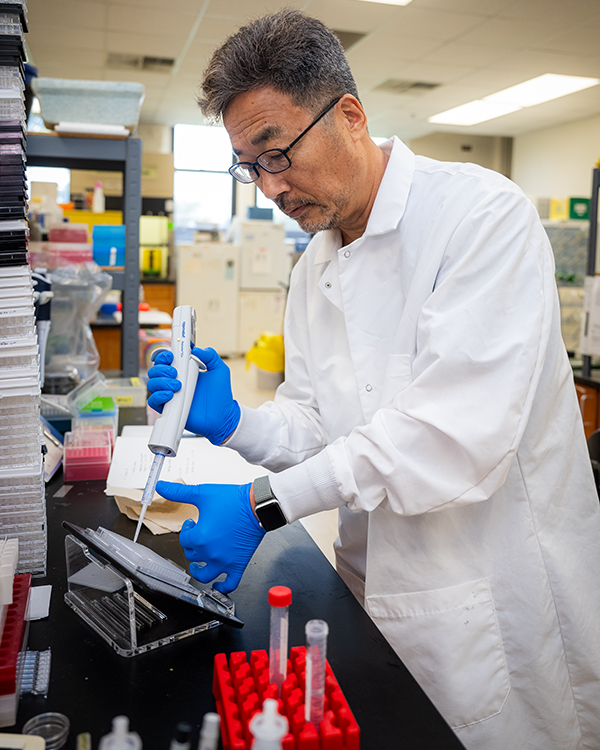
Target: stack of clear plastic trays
[[22, 489]]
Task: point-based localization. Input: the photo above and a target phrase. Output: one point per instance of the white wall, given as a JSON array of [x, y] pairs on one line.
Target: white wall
[[488, 151], [558, 162]]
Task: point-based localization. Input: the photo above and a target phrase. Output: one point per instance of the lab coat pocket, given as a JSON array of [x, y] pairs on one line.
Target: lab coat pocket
[[398, 375], [450, 641]]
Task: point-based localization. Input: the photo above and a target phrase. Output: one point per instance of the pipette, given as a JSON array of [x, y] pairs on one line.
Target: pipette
[[316, 651], [280, 598], [168, 429]]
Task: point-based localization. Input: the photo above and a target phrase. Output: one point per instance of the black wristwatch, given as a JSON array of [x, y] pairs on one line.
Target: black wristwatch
[[266, 505]]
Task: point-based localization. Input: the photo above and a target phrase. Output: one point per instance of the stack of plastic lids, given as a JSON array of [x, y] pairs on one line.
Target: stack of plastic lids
[[22, 492]]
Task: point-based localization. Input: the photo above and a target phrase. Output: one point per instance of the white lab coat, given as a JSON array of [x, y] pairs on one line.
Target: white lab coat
[[428, 395]]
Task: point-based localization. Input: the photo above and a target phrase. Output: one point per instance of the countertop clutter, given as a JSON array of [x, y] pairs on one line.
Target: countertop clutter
[[91, 684]]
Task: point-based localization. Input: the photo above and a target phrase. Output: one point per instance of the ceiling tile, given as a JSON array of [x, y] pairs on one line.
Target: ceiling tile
[[66, 13], [175, 6], [478, 7], [138, 44], [431, 73], [579, 42], [474, 56], [69, 56], [386, 48], [215, 28], [66, 71], [527, 64], [558, 12], [59, 37], [502, 33], [151, 81], [351, 15], [473, 47], [426, 23], [152, 22]]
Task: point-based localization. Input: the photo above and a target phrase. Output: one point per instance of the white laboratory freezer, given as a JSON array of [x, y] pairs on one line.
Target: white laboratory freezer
[[259, 312], [266, 259], [208, 279]]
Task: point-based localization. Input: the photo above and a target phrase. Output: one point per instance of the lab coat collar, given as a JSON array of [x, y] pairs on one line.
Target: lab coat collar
[[389, 204]]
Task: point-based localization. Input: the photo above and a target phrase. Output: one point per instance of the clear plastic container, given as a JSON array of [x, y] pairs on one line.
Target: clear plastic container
[[69, 232], [10, 24], [65, 253], [10, 77], [102, 102], [127, 391], [85, 393], [53, 727], [12, 109], [86, 455]]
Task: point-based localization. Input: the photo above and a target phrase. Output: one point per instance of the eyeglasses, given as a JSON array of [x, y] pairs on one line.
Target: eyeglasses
[[274, 160]]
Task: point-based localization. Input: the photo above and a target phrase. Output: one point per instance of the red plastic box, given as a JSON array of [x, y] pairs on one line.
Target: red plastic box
[[240, 687], [12, 636]]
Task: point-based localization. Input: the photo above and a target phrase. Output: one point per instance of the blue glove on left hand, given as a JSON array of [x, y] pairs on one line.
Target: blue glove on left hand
[[214, 412], [227, 532]]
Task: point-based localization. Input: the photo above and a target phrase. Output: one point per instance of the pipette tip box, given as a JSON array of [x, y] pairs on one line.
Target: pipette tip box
[[240, 687], [86, 455]]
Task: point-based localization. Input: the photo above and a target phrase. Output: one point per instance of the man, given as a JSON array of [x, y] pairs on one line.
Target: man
[[427, 395]]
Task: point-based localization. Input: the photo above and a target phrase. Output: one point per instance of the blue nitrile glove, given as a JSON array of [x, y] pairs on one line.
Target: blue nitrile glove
[[227, 532], [213, 412]]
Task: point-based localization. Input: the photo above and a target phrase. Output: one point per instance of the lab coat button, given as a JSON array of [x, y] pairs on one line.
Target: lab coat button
[[369, 388], [347, 254], [328, 285]]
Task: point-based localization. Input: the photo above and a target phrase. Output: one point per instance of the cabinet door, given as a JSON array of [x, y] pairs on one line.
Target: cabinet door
[[588, 403], [160, 296]]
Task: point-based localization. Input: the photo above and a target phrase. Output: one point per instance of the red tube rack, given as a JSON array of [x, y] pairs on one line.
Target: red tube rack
[[12, 636], [240, 688]]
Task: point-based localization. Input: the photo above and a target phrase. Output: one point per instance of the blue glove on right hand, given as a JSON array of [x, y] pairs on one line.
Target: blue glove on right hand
[[226, 534], [214, 413]]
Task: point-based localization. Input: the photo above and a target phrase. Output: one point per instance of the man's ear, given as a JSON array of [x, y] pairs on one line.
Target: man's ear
[[353, 116]]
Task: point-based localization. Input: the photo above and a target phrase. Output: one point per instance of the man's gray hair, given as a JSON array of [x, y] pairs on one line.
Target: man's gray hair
[[288, 51]]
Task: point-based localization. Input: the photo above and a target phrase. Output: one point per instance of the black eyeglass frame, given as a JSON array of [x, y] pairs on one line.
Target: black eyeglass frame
[[252, 167]]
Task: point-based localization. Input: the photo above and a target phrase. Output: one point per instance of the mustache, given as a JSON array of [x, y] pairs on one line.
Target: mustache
[[285, 205]]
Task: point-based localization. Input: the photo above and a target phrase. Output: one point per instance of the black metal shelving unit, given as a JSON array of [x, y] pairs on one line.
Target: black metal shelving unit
[[112, 155], [586, 365]]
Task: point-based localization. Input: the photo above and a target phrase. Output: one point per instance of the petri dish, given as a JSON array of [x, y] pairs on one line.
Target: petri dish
[[53, 727]]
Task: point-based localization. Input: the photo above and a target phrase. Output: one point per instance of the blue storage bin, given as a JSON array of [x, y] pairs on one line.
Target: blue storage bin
[[109, 244]]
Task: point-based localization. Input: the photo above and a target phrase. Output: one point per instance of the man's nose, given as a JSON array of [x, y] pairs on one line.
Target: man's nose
[[272, 185]]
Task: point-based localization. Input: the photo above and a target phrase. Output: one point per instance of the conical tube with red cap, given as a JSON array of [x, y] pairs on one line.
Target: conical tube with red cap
[[280, 598]]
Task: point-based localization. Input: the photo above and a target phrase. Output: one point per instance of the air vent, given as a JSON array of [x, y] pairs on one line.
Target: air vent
[[397, 86], [348, 38], [140, 62]]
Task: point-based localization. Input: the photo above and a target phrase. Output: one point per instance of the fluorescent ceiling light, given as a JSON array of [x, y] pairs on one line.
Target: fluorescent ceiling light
[[473, 113], [388, 2], [526, 94], [542, 89]]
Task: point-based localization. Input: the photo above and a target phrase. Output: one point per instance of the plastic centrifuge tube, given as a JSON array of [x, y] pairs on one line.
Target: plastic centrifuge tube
[[316, 653], [209, 734], [280, 598], [269, 727]]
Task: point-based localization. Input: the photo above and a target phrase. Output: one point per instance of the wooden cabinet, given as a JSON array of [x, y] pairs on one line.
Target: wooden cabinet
[[588, 404], [160, 296]]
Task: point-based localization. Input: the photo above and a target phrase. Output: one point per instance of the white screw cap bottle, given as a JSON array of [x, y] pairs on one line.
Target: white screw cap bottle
[[120, 738], [269, 727]]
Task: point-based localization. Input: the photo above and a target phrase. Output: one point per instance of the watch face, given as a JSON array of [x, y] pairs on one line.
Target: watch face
[[270, 515]]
